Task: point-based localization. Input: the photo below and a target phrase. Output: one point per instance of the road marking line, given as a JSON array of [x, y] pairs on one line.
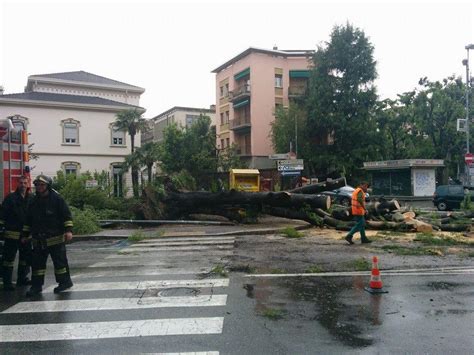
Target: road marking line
[[179, 244], [194, 353], [100, 304], [139, 273], [147, 255], [180, 248], [142, 285], [198, 239], [123, 263], [106, 330], [367, 273]]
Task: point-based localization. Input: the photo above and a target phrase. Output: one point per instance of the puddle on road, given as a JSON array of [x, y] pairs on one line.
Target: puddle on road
[[435, 285], [333, 303]]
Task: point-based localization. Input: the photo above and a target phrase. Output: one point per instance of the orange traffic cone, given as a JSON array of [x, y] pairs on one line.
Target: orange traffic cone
[[375, 285]]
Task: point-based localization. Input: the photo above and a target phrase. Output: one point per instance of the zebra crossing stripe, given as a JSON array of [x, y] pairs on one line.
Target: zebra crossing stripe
[[114, 329], [100, 304], [135, 273], [142, 285], [193, 353], [187, 239], [180, 248], [150, 262], [179, 243]]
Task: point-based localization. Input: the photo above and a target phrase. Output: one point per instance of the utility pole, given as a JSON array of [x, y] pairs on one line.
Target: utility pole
[[465, 62]]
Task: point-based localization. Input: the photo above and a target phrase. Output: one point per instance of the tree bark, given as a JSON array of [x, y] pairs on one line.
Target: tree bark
[[193, 201], [327, 185], [303, 215]]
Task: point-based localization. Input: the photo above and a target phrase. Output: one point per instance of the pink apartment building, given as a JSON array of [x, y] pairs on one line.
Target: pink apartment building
[[248, 89]]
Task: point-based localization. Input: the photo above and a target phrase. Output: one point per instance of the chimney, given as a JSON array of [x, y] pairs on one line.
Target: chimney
[[1, 90], [275, 48]]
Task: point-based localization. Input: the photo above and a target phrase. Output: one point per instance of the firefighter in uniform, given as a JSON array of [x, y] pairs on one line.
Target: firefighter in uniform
[[13, 216], [49, 222]]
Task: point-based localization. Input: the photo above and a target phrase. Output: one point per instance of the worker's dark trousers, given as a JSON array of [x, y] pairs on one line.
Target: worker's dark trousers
[[40, 256], [10, 248]]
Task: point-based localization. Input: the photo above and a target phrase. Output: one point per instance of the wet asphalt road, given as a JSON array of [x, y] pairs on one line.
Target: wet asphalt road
[[121, 304]]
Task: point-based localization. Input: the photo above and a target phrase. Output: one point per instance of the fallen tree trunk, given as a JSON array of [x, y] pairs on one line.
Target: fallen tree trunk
[[455, 227], [194, 201], [303, 215], [327, 185], [341, 214]]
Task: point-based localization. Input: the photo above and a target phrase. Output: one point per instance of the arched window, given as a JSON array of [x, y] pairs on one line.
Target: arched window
[[19, 122], [70, 167], [70, 131]]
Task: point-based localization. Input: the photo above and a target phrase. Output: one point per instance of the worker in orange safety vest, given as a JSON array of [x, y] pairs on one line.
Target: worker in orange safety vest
[[359, 211]]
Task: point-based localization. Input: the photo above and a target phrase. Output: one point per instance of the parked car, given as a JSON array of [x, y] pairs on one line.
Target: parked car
[[448, 197], [342, 196]]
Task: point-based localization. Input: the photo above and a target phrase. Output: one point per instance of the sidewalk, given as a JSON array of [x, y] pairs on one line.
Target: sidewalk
[[266, 225]]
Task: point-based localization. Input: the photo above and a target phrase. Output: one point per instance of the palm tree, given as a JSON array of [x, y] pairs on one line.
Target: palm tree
[[132, 122], [149, 154]]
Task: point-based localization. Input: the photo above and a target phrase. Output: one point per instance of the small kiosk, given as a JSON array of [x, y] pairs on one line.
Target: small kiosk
[[407, 177], [244, 180]]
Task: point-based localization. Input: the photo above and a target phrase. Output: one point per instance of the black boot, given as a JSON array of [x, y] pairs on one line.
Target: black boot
[[349, 239], [34, 291], [23, 282], [8, 287], [63, 286], [365, 241]]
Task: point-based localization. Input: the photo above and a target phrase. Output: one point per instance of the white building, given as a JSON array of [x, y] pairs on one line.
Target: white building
[[183, 116], [70, 117]]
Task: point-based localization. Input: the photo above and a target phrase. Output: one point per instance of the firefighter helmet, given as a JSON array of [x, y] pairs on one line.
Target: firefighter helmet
[[43, 178]]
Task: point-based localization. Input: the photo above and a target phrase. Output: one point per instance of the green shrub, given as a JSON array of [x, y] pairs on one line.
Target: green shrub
[[136, 236], [85, 221], [184, 181]]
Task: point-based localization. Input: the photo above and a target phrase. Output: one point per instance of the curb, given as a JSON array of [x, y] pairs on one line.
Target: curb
[[262, 231]]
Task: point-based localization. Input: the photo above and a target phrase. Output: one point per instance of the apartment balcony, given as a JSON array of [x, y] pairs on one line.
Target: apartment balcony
[[244, 150], [239, 93], [240, 124], [295, 91]]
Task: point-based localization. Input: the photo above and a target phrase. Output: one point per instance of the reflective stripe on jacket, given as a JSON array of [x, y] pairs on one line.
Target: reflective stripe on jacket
[[357, 208]]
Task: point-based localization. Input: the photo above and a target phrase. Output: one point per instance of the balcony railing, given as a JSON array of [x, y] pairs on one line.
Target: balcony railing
[[297, 90], [239, 92], [244, 150], [240, 123]]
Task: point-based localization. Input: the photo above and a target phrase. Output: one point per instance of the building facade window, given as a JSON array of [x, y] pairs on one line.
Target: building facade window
[[222, 118], [222, 144], [278, 80], [70, 131], [70, 167], [228, 142], [117, 136], [226, 117], [117, 178], [190, 119]]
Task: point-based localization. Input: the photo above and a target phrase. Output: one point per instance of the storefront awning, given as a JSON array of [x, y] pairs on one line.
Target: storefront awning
[[241, 103], [299, 73], [242, 74]]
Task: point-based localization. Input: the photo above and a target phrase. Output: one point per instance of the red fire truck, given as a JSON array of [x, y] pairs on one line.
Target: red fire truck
[[14, 157]]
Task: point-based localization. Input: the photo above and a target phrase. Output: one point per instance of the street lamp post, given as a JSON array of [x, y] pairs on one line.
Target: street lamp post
[[465, 62]]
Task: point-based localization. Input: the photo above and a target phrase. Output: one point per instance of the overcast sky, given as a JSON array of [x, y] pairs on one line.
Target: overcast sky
[[170, 48]]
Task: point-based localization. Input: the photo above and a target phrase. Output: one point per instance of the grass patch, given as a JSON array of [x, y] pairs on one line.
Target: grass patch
[[314, 269], [243, 268], [360, 264], [277, 271], [438, 240], [399, 250], [273, 313], [219, 270], [381, 234], [470, 254], [291, 232], [136, 237], [159, 234]]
